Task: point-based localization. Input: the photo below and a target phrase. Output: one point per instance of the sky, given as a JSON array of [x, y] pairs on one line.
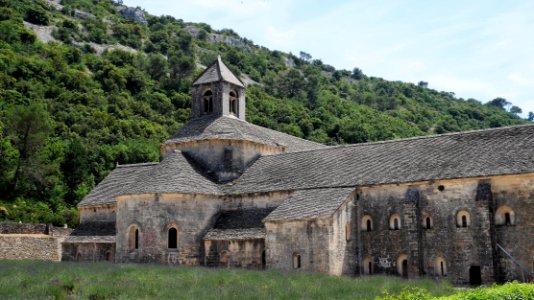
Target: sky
[[481, 49]]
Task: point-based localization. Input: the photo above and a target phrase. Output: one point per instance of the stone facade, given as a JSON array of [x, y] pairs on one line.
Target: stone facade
[[228, 193], [31, 241]]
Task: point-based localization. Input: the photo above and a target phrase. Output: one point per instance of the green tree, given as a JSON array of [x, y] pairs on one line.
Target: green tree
[[516, 110], [28, 129], [75, 168]]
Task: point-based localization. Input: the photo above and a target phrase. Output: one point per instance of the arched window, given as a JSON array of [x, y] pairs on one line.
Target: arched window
[[504, 216], [172, 238], [296, 261], [427, 221], [348, 232], [441, 267], [133, 238], [368, 267], [208, 101], [402, 265], [463, 219], [367, 223], [394, 222], [233, 103]]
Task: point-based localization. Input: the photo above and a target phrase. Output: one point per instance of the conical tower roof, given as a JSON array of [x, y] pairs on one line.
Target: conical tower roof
[[216, 72]]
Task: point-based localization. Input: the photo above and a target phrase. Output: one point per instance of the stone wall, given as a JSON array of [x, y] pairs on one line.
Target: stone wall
[[299, 245], [343, 250], [192, 216], [446, 248], [31, 241], [88, 252], [235, 254], [98, 213], [517, 237]]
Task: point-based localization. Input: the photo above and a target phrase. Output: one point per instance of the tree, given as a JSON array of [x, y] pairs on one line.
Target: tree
[[305, 56], [516, 110], [499, 102], [74, 168], [28, 129], [357, 74], [423, 84], [531, 116]]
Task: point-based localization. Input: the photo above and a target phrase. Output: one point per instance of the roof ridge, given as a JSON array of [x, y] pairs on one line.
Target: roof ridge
[[432, 136], [137, 165]]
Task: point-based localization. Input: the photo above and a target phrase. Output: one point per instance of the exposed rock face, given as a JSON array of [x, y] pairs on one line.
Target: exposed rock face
[[134, 13]]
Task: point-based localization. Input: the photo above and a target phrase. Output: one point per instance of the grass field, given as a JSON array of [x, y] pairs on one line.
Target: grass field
[[48, 280]]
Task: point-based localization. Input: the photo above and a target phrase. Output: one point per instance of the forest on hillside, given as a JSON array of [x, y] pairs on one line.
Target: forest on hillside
[[87, 84]]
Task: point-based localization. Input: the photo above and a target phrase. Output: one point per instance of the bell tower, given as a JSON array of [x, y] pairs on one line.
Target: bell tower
[[218, 92]]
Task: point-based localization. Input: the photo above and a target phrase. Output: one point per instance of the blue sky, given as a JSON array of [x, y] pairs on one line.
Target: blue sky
[[477, 49]]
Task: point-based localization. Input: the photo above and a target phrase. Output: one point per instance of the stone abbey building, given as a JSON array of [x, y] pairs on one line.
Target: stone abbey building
[[228, 193]]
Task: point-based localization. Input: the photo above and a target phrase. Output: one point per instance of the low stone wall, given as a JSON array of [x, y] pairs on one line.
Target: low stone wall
[[29, 246], [21, 228], [31, 241]]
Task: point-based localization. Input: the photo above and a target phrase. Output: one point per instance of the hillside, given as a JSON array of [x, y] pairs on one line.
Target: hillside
[[86, 84]]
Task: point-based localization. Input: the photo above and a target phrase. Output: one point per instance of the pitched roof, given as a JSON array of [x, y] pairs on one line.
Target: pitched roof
[[235, 234], [216, 72], [241, 224], [313, 203], [93, 232], [94, 228], [242, 218], [490, 152], [114, 184], [173, 174], [231, 128]]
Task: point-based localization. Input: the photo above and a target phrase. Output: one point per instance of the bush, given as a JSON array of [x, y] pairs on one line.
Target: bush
[[37, 16]]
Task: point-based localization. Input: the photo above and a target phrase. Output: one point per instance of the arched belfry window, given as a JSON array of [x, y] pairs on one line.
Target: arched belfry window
[[232, 102], [172, 238], [208, 101]]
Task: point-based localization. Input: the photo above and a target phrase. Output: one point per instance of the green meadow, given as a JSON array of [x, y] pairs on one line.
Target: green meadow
[[49, 280]]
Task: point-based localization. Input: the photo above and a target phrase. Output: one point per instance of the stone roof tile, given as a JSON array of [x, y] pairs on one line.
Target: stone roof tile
[[114, 184], [490, 152], [313, 203], [235, 234], [231, 128], [173, 174], [216, 72]]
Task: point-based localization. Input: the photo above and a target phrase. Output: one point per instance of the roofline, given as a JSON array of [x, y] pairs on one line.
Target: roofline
[[355, 186], [432, 136], [138, 165], [218, 61]]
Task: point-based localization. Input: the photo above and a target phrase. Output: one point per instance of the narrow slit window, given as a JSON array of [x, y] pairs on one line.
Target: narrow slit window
[[296, 261], [172, 238]]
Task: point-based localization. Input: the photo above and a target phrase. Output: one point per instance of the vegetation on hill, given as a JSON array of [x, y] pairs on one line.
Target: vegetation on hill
[[109, 89]]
